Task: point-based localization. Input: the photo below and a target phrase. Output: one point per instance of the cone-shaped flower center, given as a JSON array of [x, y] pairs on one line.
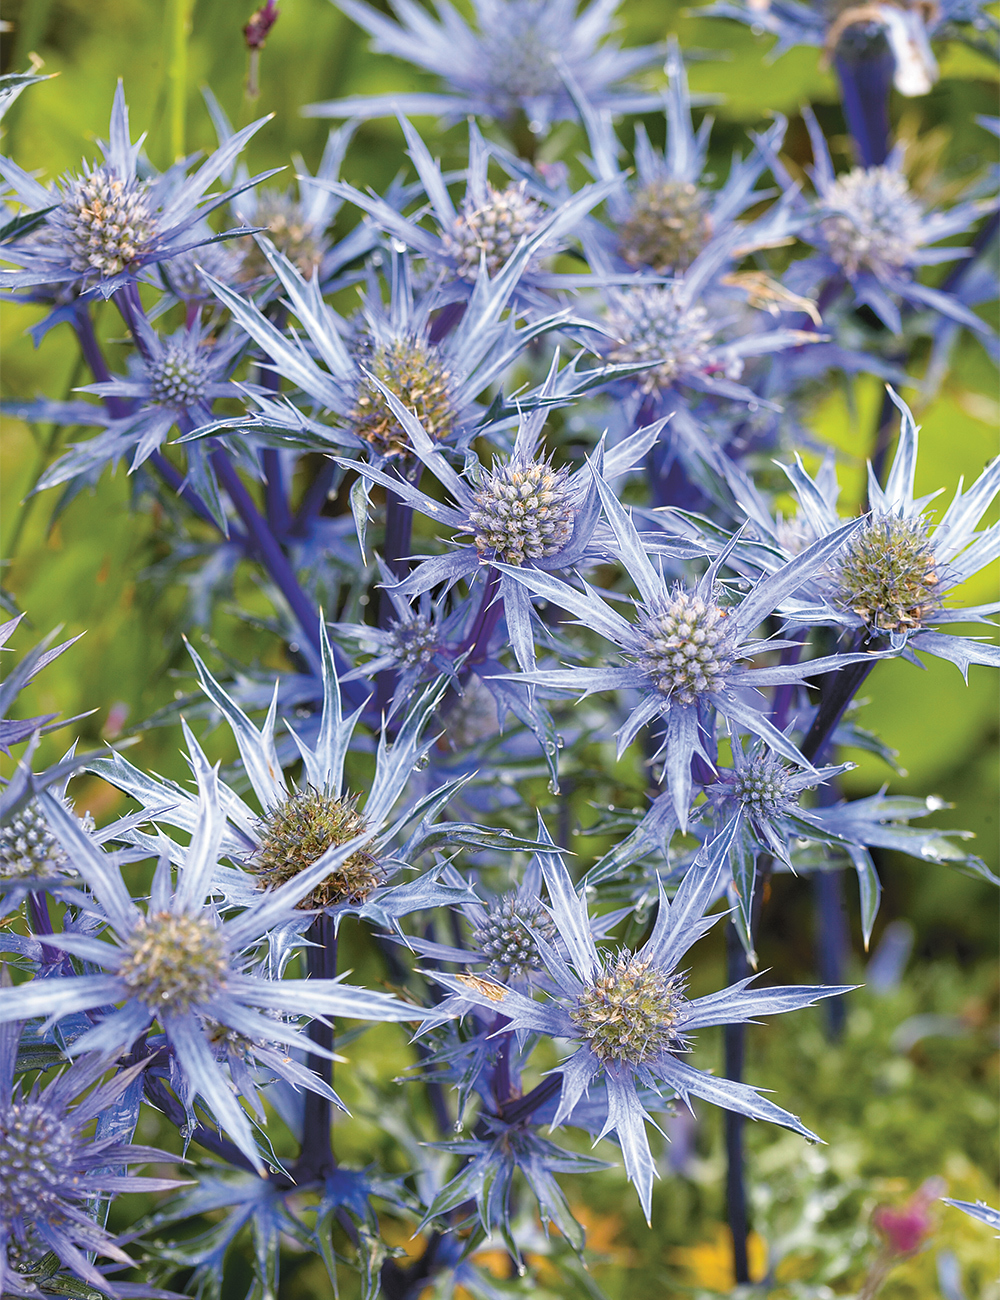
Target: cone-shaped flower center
[[413, 640], [28, 848], [505, 940], [686, 647], [299, 831], [38, 1151], [415, 373], [289, 231], [181, 375], [520, 43], [875, 222], [493, 229], [523, 512], [107, 222], [762, 786], [658, 325], [887, 574], [175, 961], [668, 227], [630, 1012]]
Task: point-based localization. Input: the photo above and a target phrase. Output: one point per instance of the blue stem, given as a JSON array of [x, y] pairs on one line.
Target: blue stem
[[864, 68]]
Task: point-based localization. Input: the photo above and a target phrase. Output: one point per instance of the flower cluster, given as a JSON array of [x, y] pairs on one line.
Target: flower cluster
[[526, 469]]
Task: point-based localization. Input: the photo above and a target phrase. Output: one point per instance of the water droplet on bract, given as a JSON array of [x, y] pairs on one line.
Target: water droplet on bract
[[521, 1270], [560, 742], [553, 786], [458, 1126], [536, 127], [757, 29], [751, 407], [293, 646], [422, 763]]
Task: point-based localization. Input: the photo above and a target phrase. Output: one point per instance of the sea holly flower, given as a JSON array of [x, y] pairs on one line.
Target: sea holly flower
[[300, 826], [889, 583], [488, 225], [664, 217], [170, 381], [439, 380], [521, 512], [52, 1166], [682, 652], [103, 226], [504, 67], [185, 964], [872, 234], [628, 1012]]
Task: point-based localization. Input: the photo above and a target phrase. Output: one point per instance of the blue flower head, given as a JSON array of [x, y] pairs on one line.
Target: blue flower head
[[52, 1164], [104, 225], [506, 67], [628, 1012]]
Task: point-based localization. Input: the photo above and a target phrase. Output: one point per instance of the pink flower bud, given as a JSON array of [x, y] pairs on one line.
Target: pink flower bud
[[905, 1228]]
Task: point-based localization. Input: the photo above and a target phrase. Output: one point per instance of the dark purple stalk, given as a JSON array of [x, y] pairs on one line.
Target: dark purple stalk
[[275, 497], [38, 912], [734, 1041], [865, 68], [317, 1158], [501, 1071], [487, 617], [314, 498], [519, 1109]]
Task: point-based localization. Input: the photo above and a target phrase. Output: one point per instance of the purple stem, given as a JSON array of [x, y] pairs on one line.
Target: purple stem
[[275, 498], [519, 1109], [314, 498], [734, 1039], [490, 610], [501, 1072], [317, 1158], [864, 69]]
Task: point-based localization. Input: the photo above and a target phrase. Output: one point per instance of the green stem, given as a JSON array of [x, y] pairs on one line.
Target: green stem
[[179, 18]]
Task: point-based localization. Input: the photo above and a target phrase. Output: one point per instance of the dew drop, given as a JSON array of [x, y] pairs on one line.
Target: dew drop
[[553, 786], [422, 763], [458, 1126]]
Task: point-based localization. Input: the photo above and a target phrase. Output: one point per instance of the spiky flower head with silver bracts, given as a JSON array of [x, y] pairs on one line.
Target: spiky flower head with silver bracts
[[52, 1166], [628, 1014], [109, 222], [297, 828], [510, 64]]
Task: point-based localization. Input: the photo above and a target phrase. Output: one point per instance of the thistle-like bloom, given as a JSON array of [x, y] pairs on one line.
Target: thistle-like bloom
[[668, 214], [173, 380], [628, 1012], [52, 1164], [873, 233], [890, 581], [506, 67], [684, 648], [108, 223], [299, 827], [522, 512], [439, 380], [488, 225]]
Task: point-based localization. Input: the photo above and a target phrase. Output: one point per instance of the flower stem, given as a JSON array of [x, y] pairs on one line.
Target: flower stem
[[734, 1041], [865, 76], [490, 610], [317, 1156]]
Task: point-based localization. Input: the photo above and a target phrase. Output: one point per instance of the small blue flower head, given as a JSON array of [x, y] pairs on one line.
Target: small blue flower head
[[108, 223], [510, 65], [172, 380], [874, 233], [628, 1012], [52, 1164]]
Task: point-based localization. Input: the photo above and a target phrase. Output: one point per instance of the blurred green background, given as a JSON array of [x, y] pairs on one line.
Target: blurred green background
[[95, 570]]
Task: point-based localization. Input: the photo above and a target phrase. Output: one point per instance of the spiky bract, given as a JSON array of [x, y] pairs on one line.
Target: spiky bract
[[668, 226], [887, 574], [629, 1012], [523, 512], [416, 374], [685, 646], [299, 831]]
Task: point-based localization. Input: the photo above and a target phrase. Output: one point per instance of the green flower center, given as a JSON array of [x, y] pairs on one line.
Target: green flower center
[[108, 221], [37, 1158], [685, 648], [668, 227], [288, 230], [887, 574], [658, 326], [762, 786], [28, 848], [504, 939], [630, 1012], [175, 961], [415, 373], [495, 229], [298, 832]]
